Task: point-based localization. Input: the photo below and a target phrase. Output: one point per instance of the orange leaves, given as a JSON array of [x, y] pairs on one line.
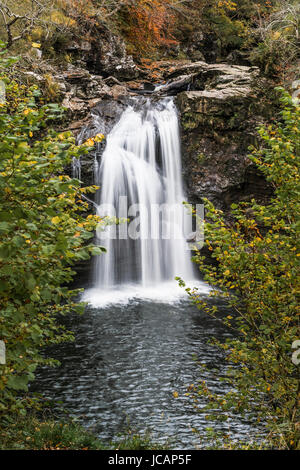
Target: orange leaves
[[146, 24], [150, 24], [229, 5]]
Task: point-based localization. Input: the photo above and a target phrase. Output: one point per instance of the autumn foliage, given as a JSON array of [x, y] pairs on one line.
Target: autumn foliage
[[149, 24]]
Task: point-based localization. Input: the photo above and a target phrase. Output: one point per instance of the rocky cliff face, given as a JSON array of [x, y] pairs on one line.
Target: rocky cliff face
[[219, 106], [219, 119], [104, 53]]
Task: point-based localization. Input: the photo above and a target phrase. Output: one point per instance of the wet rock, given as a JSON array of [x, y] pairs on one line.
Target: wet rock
[[185, 68], [218, 125], [174, 86], [118, 90], [103, 117], [148, 86]]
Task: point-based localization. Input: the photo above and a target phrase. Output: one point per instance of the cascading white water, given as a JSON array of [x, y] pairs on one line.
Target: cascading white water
[[141, 183], [142, 162]]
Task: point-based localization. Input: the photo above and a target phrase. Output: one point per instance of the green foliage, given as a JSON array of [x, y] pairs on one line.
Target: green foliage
[[131, 440], [30, 433], [43, 232], [33, 433], [228, 28], [276, 42], [257, 272], [265, 32], [226, 23], [51, 90]]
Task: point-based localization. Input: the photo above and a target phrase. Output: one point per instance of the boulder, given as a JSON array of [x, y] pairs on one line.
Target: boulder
[[118, 90], [224, 109], [181, 83]]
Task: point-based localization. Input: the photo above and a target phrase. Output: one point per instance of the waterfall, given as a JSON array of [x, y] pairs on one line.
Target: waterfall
[[140, 182]]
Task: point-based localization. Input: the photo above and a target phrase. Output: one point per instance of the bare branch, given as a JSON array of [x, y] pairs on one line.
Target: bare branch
[[27, 20]]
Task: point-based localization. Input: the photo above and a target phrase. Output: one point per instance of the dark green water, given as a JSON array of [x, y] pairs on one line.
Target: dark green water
[[127, 361]]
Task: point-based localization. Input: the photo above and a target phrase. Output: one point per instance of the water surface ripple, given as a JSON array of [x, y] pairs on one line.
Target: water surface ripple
[[126, 363]]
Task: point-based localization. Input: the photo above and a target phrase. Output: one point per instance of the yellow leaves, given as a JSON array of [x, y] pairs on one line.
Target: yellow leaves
[[99, 138], [22, 147], [55, 220], [227, 4], [91, 141], [276, 35], [287, 319], [175, 394], [27, 111], [227, 272], [77, 234], [58, 17], [36, 45]]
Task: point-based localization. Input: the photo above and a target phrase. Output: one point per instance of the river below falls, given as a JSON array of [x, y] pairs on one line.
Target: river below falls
[[126, 362]]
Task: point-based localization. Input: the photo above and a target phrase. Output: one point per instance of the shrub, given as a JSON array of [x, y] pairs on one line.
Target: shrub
[[43, 232], [257, 272], [277, 40]]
